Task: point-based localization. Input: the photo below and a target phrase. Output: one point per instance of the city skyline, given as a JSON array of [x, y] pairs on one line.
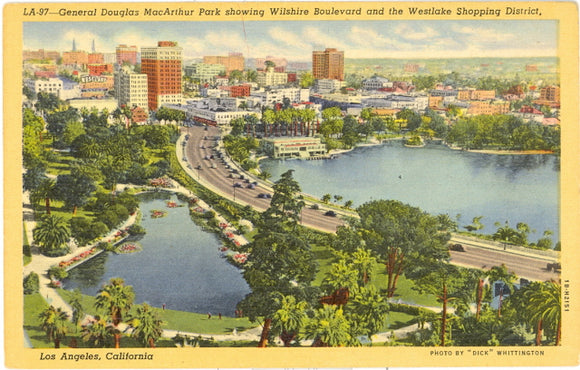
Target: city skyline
[[295, 40]]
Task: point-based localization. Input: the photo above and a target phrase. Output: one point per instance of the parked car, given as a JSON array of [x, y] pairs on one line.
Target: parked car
[[237, 185], [330, 213], [250, 186], [456, 247], [264, 195], [556, 266]]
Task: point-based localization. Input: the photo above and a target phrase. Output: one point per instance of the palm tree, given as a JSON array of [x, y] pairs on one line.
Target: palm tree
[[54, 322], [99, 333], [363, 261], [505, 233], [328, 328], [76, 304], [47, 191], [544, 308], [116, 299], [51, 234], [368, 309], [501, 274], [146, 325], [289, 318]]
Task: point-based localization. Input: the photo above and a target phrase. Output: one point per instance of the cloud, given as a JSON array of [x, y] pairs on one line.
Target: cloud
[[483, 34], [416, 34], [287, 38], [321, 39]]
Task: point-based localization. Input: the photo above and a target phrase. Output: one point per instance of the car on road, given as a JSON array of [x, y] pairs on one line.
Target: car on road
[[237, 185], [556, 267], [330, 213], [456, 247], [265, 195], [198, 167], [251, 186], [213, 165]]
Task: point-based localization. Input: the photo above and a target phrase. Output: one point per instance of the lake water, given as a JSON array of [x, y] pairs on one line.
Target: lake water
[[513, 188], [180, 266]]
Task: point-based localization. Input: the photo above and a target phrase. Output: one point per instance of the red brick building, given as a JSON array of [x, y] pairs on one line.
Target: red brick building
[[328, 64], [240, 90], [126, 54], [162, 65], [99, 69]]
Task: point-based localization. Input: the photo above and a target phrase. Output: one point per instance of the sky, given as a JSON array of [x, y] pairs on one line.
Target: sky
[[295, 40]]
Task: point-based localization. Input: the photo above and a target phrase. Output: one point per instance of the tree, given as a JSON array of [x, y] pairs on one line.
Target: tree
[[99, 334], [74, 190], [286, 204], [326, 198], [545, 308], [446, 282], [475, 224], [115, 299], [30, 283], [51, 235], [364, 262], [54, 323], [280, 262], [146, 325], [505, 233], [328, 328], [367, 311], [289, 318], [77, 306], [306, 80], [348, 204], [404, 237], [47, 191]]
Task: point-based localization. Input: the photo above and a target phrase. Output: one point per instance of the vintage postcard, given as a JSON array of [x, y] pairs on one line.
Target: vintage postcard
[[291, 184]]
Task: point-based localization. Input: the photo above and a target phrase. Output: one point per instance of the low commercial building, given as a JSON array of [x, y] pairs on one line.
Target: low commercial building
[[49, 85], [376, 82], [268, 98], [294, 147], [488, 107], [205, 73]]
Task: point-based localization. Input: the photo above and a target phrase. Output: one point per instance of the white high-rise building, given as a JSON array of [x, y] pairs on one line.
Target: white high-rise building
[[131, 88]]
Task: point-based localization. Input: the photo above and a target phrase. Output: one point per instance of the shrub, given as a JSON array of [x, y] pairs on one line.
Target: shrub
[[106, 246], [136, 230], [31, 283], [57, 272]]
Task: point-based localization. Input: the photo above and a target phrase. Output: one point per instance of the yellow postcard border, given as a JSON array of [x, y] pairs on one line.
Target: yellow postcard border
[[17, 356]]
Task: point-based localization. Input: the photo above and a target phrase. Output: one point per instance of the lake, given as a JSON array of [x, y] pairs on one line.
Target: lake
[[180, 266], [513, 188]]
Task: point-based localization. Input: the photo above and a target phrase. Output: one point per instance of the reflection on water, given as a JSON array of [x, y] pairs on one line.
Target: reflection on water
[[518, 188], [180, 265]]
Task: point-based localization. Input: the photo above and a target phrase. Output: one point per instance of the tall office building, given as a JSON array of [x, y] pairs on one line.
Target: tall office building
[[126, 54], [131, 88], [162, 65], [328, 64]]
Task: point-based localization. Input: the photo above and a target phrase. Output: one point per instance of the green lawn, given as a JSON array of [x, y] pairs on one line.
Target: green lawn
[[178, 320], [397, 320], [34, 304]]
